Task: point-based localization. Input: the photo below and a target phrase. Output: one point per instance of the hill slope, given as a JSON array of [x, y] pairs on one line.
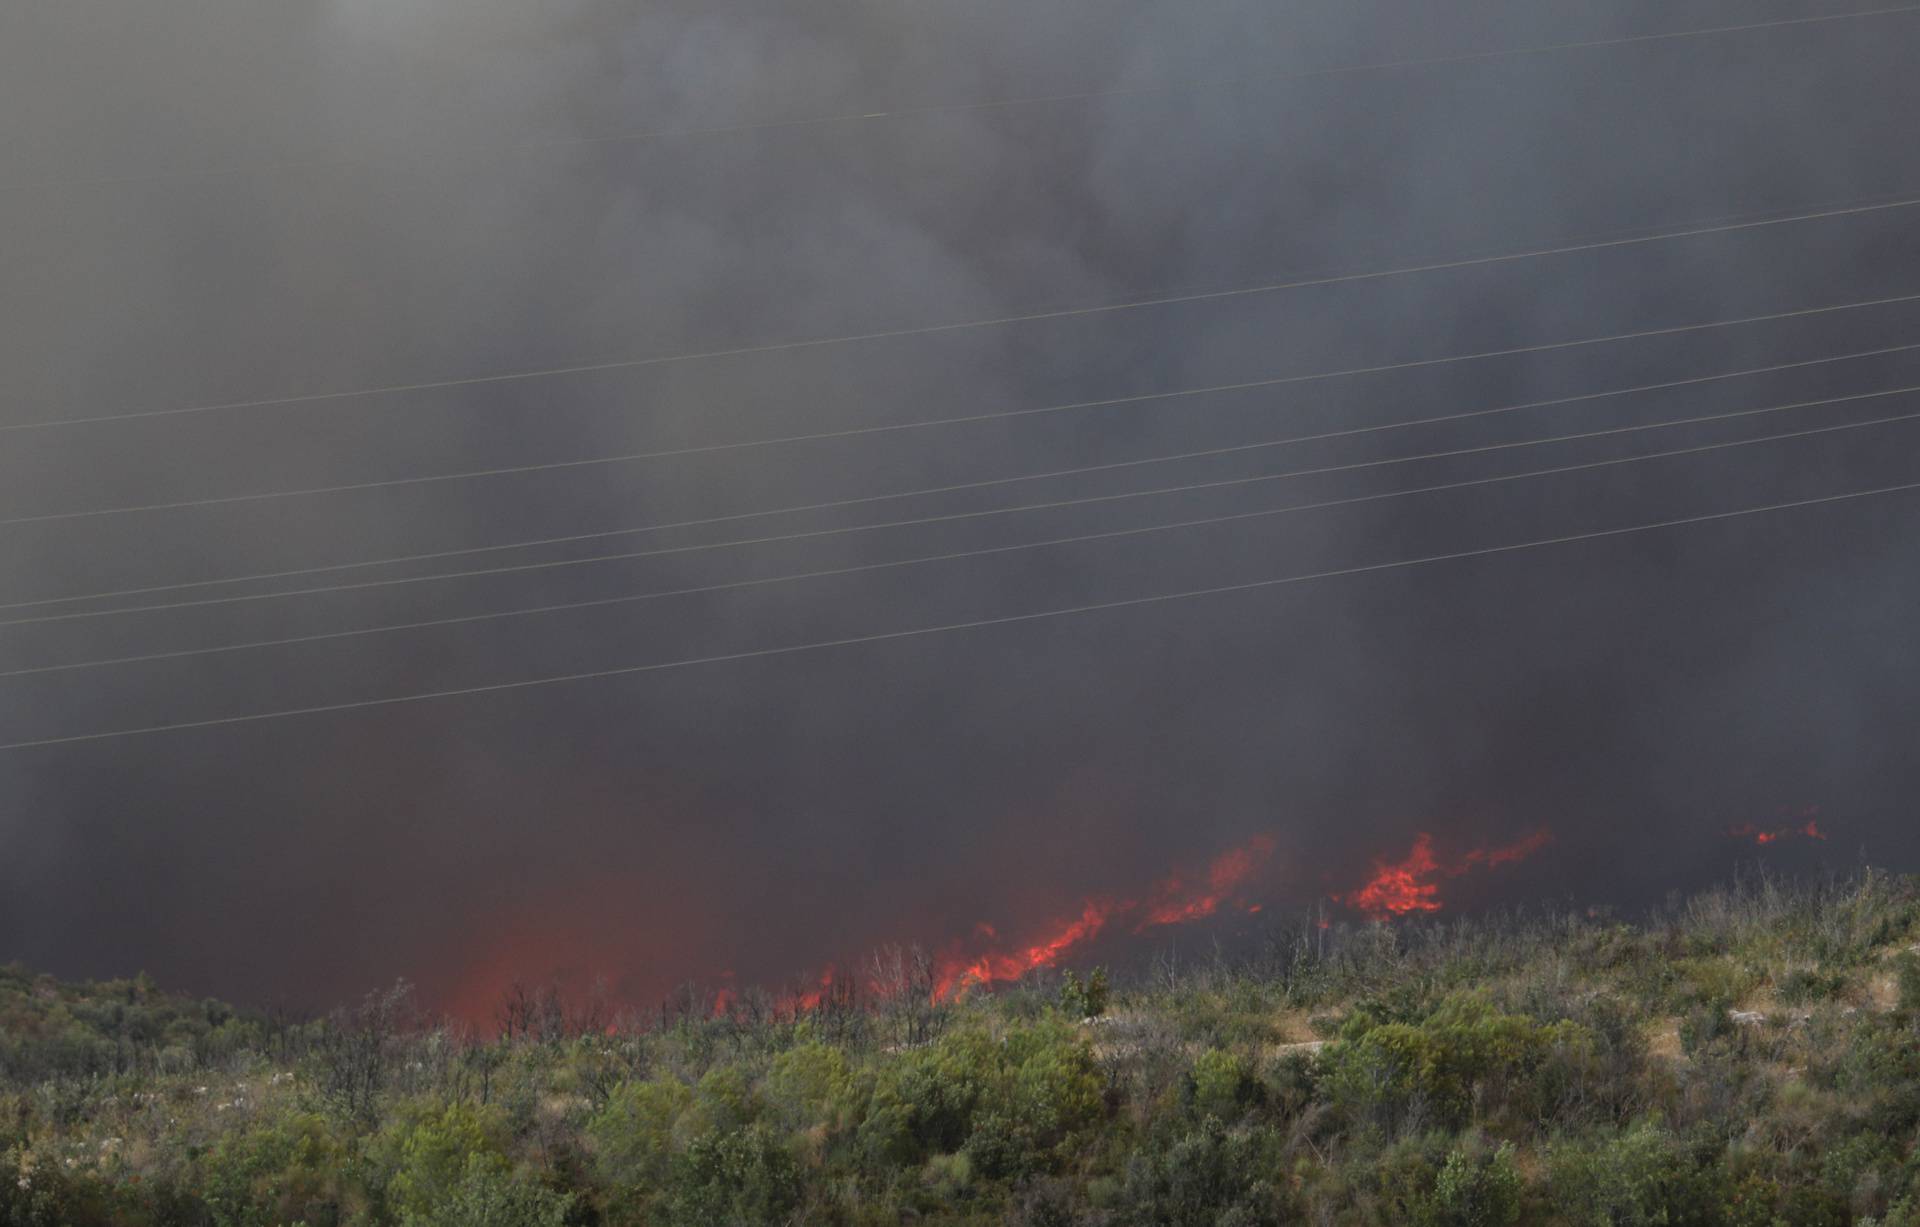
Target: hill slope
[[1751, 1057]]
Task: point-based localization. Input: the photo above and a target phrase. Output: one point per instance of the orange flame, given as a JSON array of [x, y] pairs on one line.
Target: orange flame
[[1402, 887], [1412, 884], [1747, 830], [1172, 901]]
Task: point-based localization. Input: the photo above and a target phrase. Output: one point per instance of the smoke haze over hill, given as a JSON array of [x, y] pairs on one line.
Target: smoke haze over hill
[[233, 204]]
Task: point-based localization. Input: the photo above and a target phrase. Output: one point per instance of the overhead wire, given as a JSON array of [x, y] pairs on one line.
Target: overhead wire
[[958, 555], [1002, 415], [991, 482], [922, 330], [950, 627]]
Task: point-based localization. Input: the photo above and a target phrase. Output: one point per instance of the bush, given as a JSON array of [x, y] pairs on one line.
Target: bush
[[271, 1175], [1207, 1178], [1643, 1177], [487, 1194], [1391, 1074], [1906, 970], [739, 1179], [1478, 1189], [1223, 1085], [811, 1085], [634, 1135], [1804, 985], [431, 1156], [1085, 998], [1056, 1088]]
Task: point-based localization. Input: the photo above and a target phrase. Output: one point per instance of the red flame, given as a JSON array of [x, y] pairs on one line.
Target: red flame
[[1174, 900], [1747, 830], [1412, 884], [802, 1001], [1786, 827], [1406, 886]]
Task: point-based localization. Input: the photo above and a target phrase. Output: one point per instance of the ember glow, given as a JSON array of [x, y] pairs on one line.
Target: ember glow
[[1412, 884], [1174, 900], [1810, 829]]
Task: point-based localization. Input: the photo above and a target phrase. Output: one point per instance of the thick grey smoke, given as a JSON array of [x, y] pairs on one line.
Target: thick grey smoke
[[217, 202]]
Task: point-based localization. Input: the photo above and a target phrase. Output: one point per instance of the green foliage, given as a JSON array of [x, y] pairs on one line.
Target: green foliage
[[1210, 1176], [1643, 1177], [1383, 1073], [634, 1136], [271, 1175], [431, 1154], [488, 1194], [813, 1085], [1478, 1073], [744, 1178], [1085, 998], [1478, 1190], [1805, 984], [1223, 1085], [1907, 981]]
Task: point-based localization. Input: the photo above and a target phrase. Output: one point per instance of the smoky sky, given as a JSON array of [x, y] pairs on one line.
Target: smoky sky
[[211, 202]]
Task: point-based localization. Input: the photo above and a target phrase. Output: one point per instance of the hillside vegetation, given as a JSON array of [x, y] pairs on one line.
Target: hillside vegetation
[[1750, 1056]]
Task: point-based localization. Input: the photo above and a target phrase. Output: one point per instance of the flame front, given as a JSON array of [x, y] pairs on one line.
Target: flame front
[[1412, 884], [1174, 900], [1402, 887], [1810, 829]]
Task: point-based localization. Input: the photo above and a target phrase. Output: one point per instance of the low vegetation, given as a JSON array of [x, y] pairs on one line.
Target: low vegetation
[[1748, 1057]]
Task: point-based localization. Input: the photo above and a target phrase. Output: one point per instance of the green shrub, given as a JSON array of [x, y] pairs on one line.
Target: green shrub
[[812, 1084], [1223, 1085], [1705, 1024], [1056, 1089], [634, 1135], [925, 1101], [1085, 998], [1209, 1177], [270, 1175], [430, 1155], [488, 1194], [1804, 985], [1906, 971], [1478, 1189], [1435, 1069], [739, 1179], [1643, 1177]]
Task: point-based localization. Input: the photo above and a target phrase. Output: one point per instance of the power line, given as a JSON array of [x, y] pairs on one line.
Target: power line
[[961, 108], [1693, 231], [955, 556], [1044, 506], [974, 624], [1107, 403]]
